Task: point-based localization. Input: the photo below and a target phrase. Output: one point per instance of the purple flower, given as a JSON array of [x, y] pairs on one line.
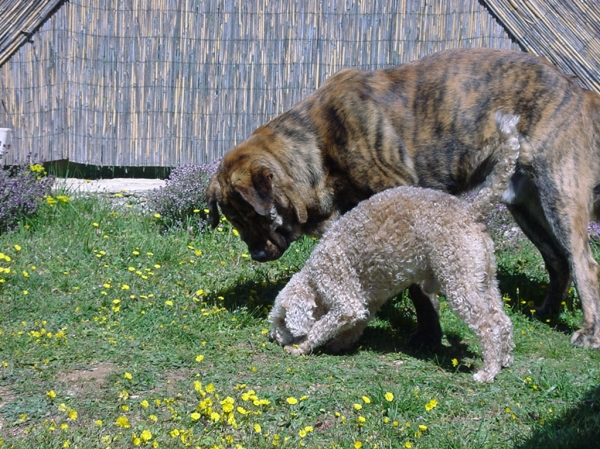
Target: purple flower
[[181, 202], [21, 192]]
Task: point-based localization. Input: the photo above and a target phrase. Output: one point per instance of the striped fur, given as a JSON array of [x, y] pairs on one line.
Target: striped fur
[[428, 123]]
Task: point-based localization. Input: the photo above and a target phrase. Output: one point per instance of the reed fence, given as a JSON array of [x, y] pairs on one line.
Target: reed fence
[[169, 82]]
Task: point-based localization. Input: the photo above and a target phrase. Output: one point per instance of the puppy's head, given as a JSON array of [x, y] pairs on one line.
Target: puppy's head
[[257, 197], [293, 314]]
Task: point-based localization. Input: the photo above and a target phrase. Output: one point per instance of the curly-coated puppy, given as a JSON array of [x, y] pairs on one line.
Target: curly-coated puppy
[[396, 238]]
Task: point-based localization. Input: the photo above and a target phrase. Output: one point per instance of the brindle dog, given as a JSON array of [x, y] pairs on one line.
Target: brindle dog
[[428, 123]]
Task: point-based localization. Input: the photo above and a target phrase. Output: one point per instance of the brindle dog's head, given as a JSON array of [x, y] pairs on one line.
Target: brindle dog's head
[[258, 198]]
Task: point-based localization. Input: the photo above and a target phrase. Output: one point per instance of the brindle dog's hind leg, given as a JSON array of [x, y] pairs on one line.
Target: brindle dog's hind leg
[[567, 215], [523, 202]]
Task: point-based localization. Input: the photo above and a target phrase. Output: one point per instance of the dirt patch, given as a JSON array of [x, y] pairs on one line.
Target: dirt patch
[[81, 381], [6, 397]]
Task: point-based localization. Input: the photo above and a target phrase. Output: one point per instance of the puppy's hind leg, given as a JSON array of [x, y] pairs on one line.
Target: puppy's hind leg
[[474, 311]]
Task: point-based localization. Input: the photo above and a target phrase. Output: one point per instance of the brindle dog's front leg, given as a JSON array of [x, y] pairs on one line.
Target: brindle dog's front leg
[[429, 331]]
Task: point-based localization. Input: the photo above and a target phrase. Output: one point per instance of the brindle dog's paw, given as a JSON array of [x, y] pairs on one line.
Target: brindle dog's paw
[[586, 338], [427, 340]]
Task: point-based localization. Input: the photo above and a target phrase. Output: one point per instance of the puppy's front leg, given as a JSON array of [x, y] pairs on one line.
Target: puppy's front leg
[[335, 322]]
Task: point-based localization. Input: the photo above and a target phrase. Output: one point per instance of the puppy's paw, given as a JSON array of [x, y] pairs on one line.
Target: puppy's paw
[[294, 350], [281, 335]]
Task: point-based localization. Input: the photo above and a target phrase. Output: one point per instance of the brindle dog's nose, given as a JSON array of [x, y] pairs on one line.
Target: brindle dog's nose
[[259, 256]]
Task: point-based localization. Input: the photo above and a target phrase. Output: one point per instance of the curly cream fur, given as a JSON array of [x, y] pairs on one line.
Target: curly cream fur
[[396, 238]]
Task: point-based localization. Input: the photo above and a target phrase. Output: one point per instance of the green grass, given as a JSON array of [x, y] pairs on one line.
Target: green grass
[[115, 334]]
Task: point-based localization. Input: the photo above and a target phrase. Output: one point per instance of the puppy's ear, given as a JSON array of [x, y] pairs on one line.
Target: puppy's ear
[[213, 195], [259, 194]]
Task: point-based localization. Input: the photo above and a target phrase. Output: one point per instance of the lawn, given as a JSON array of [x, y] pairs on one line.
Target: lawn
[[116, 334]]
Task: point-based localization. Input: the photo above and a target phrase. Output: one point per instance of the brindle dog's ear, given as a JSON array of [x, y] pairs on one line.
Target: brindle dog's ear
[[297, 203], [260, 194], [213, 194]]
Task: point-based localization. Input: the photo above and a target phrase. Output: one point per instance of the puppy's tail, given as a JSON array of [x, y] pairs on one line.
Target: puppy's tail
[[507, 154]]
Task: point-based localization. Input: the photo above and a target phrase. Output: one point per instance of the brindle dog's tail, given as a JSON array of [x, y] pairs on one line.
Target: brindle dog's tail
[[507, 154]]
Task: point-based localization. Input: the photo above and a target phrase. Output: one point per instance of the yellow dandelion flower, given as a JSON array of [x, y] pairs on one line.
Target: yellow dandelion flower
[[431, 405], [454, 363], [122, 421], [257, 428], [407, 445], [199, 358], [146, 435], [195, 416], [227, 407], [422, 427], [366, 400], [389, 396], [357, 407], [17, 248], [156, 215], [128, 376], [99, 422], [51, 394], [292, 400], [358, 445], [73, 415]]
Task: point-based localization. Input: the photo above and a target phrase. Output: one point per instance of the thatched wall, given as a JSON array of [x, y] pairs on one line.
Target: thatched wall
[[565, 32], [162, 83]]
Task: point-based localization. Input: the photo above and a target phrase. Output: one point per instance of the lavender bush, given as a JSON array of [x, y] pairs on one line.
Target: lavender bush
[[22, 189], [181, 203]]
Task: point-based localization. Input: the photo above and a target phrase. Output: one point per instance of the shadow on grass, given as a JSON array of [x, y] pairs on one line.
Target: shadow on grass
[[579, 428], [526, 294]]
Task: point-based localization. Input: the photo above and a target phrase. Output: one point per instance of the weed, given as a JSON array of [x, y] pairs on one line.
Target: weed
[[181, 203], [22, 190]]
